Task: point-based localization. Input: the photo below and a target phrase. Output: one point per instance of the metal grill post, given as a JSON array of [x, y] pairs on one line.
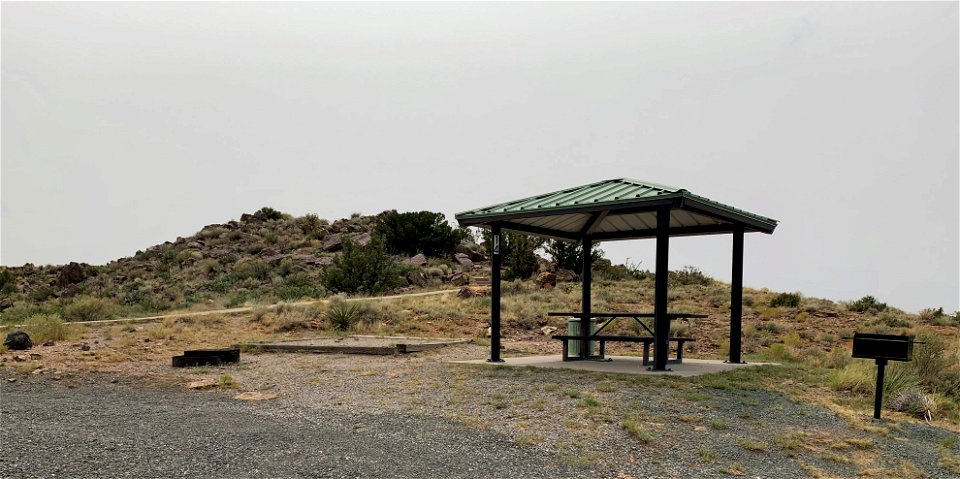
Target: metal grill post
[[661, 325], [736, 296], [495, 260]]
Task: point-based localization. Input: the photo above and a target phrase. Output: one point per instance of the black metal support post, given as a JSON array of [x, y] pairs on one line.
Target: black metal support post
[[736, 295], [585, 297], [878, 399], [661, 325], [495, 260]]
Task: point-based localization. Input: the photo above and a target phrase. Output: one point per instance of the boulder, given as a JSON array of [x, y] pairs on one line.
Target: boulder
[[566, 276], [195, 245], [5, 303], [418, 260], [463, 260], [416, 278], [333, 243], [17, 341], [71, 274], [473, 252], [71, 291], [548, 330], [547, 280], [362, 239], [471, 291], [459, 279]]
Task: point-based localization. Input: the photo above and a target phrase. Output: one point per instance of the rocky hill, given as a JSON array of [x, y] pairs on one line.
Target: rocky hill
[[266, 256]]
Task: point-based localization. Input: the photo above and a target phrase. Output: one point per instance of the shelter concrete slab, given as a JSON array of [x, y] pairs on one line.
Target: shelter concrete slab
[[620, 365]]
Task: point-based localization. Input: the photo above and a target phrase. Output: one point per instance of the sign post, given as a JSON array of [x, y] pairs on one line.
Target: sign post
[[882, 348]]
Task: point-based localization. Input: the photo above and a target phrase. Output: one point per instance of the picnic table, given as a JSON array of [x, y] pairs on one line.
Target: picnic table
[[610, 318]]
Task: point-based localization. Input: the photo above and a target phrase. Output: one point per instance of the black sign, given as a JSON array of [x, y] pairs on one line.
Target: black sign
[[883, 346]]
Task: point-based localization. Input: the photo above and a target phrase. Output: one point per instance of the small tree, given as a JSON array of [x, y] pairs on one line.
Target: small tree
[[361, 269], [417, 232], [518, 252], [569, 255]]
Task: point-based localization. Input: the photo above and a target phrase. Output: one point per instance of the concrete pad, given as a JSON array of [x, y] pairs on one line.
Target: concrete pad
[[620, 365]]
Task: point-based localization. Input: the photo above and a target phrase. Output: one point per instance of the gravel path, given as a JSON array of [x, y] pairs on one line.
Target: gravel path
[[119, 430], [422, 416]]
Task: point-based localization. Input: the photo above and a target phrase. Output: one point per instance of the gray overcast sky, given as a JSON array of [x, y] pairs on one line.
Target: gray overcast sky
[[128, 124]]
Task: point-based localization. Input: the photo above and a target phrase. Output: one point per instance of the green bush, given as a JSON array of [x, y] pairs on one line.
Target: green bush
[[256, 269], [297, 286], [344, 315], [518, 252], [8, 282], [689, 275], [786, 300], [867, 304], [89, 309], [41, 294], [47, 327], [569, 255], [417, 232], [892, 320], [268, 213], [361, 269]]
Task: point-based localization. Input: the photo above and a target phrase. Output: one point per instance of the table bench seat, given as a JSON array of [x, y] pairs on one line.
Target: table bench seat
[[646, 340]]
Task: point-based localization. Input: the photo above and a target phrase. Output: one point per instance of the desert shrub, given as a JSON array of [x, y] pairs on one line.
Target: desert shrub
[[604, 271], [689, 275], [899, 377], [771, 327], [89, 309], [240, 299], [342, 314], [47, 327], [857, 377], [417, 232], [223, 283], [256, 269], [8, 282], [311, 225], [360, 269], [211, 232], [520, 258], [518, 253], [268, 213], [786, 300], [930, 314], [837, 358], [860, 377], [890, 319], [569, 255], [931, 362], [914, 403], [513, 287], [867, 304], [136, 292], [254, 248], [296, 286], [41, 294], [780, 352], [209, 267]]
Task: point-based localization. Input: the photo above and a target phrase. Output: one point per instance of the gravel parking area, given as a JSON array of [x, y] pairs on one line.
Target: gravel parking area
[[422, 416], [103, 429]]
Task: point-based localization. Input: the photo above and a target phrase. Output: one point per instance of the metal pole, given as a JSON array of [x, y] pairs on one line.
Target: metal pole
[[878, 399], [495, 260], [736, 296], [585, 297], [661, 326]]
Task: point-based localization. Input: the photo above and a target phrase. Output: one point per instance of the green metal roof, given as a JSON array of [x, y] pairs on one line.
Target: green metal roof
[[615, 209]]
